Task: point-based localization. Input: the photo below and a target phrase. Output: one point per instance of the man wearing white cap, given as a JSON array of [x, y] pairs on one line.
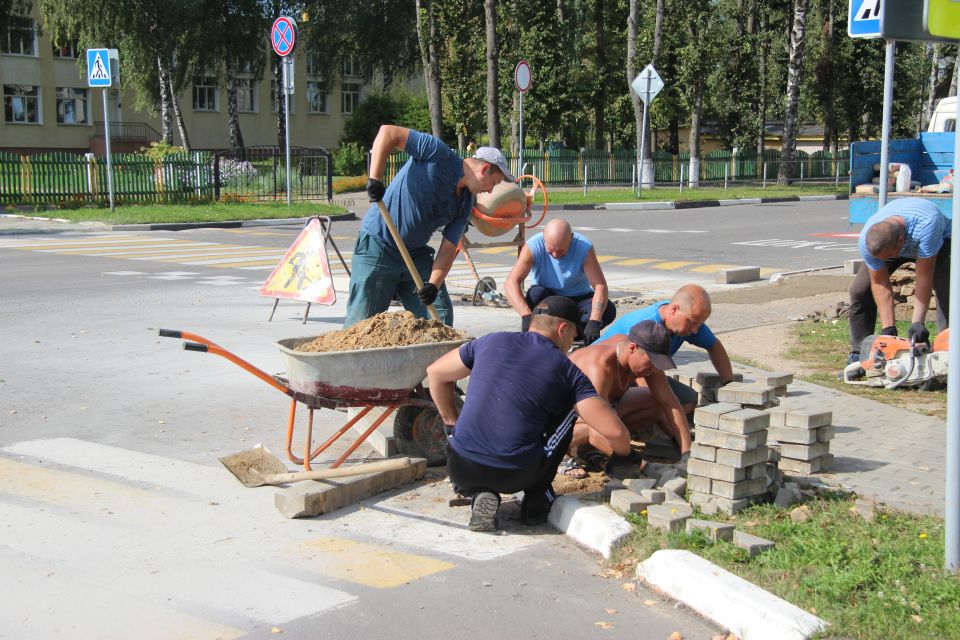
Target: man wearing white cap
[[434, 190]]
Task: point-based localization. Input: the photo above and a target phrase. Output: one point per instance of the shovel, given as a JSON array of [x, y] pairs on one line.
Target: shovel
[[257, 467], [417, 280]]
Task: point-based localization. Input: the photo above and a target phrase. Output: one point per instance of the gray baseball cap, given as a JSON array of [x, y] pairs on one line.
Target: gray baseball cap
[[654, 338], [494, 157]]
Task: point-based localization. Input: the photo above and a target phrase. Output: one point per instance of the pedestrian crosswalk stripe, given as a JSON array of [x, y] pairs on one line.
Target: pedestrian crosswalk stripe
[[635, 262], [671, 265], [712, 268], [365, 564], [603, 259], [493, 250]]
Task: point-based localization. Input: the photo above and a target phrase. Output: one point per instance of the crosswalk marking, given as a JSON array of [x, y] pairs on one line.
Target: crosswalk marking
[[363, 563], [635, 262], [677, 264]]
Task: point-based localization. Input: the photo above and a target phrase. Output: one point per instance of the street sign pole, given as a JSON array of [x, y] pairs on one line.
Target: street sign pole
[[106, 135], [522, 78], [286, 117], [887, 110], [520, 152], [952, 508], [643, 139]]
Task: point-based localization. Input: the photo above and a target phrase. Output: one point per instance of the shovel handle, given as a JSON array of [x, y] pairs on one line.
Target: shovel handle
[[417, 280], [339, 472]]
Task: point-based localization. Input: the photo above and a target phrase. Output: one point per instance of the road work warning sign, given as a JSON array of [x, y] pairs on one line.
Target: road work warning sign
[[304, 272]]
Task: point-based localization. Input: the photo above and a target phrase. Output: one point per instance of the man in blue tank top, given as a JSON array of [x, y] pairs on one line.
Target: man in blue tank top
[[561, 263], [905, 230], [517, 420], [435, 189]]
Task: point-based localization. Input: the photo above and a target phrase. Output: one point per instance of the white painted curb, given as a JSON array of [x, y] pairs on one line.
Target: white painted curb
[[811, 198], [635, 206], [745, 609], [736, 201], [593, 525]]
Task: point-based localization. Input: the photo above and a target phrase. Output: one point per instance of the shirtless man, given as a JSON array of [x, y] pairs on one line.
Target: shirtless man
[[614, 367]]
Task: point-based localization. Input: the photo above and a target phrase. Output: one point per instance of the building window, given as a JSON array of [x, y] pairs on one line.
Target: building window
[[71, 106], [316, 97], [204, 93], [66, 49], [313, 64], [21, 103], [351, 69], [20, 39], [276, 97], [246, 95], [349, 97]]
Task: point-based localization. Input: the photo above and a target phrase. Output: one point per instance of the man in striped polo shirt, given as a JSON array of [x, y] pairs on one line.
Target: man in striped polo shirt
[[905, 230]]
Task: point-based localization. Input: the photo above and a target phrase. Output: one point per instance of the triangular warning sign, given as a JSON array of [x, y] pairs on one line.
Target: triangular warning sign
[[304, 272], [99, 71]]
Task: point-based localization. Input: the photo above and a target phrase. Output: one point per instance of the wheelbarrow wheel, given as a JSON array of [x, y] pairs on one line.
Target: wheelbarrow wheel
[[418, 432]]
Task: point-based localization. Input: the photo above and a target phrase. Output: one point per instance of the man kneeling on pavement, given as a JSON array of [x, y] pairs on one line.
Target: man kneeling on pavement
[[517, 421], [664, 401]]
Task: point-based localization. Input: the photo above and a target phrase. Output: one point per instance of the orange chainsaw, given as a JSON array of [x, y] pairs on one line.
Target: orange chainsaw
[[893, 362]]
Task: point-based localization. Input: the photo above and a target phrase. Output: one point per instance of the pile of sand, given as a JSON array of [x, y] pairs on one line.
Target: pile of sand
[[398, 329]]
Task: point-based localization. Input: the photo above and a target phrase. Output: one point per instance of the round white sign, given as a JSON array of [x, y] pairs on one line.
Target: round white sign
[[521, 76]]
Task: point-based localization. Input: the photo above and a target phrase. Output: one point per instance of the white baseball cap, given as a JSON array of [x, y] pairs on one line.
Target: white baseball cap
[[494, 157]]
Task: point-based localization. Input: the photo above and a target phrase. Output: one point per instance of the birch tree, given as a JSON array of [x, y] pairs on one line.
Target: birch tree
[[794, 78]]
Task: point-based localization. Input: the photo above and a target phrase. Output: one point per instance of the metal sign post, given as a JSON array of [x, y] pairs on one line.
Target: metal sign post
[[98, 75], [283, 37], [522, 78], [647, 86]]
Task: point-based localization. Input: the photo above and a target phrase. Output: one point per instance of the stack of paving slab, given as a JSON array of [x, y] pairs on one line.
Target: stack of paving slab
[[802, 438]]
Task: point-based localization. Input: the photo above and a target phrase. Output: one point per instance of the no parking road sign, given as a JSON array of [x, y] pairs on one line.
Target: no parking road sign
[[283, 36]]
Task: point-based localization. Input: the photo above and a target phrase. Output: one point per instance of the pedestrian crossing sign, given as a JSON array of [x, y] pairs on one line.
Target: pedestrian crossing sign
[[98, 68], [863, 20], [304, 272]]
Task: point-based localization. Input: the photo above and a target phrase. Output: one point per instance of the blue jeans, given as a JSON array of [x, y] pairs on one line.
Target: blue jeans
[[375, 277], [585, 302]]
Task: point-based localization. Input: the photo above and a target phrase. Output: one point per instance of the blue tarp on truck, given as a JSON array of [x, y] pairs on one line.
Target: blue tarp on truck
[[930, 157]]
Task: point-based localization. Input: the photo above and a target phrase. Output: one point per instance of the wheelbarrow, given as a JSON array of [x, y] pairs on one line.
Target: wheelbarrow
[[366, 378]]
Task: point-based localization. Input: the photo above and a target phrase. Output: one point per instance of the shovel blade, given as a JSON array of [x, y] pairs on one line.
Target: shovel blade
[[250, 466]]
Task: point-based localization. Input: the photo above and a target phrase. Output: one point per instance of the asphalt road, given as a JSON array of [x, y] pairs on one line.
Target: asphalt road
[[117, 521]]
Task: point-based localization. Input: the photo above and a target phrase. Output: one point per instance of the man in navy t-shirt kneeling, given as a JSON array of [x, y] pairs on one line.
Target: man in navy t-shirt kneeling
[[517, 420]]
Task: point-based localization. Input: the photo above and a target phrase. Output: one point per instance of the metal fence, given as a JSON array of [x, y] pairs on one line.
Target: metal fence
[[566, 167], [58, 177], [260, 173]]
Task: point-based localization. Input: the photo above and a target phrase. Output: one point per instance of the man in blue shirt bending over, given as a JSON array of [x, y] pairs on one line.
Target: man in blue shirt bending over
[[905, 230], [517, 420], [435, 189], [563, 263]]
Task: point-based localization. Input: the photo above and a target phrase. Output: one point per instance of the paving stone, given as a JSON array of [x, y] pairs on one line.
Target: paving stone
[[708, 379], [850, 267], [773, 403], [793, 435], [709, 416], [614, 484], [745, 393], [741, 459], [671, 499], [773, 454], [714, 530], [826, 434], [667, 473], [715, 471], [776, 379], [787, 496], [711, 505], [653, 495], [736, 490], [700, 484], [778, 417], [753, 545], [703, 452], [780, 391], [668, 517], [758, 470], [823, 463], [628, 501], [737, 275], [638, 484], [677, 485], [735, 441], [808, 418], [804, 451], [744, 422]]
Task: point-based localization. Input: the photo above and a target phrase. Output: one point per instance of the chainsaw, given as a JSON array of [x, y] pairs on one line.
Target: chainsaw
[[893, 362]]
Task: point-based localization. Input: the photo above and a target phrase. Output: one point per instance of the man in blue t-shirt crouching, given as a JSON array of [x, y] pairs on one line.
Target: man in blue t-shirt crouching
[[517, 420]]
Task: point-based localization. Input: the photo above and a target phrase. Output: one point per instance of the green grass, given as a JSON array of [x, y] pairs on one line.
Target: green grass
[[878, 579], [824, 347], [211, 212], [597, 195]]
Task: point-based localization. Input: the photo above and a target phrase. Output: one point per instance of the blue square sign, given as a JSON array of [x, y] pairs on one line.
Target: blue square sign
[[98, 68], [864, 18]]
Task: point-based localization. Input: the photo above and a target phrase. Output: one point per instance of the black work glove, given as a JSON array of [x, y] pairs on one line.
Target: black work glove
[[591, 332], [525, 322], [919, 331], [889, 331], [375, 189], [427, 293]]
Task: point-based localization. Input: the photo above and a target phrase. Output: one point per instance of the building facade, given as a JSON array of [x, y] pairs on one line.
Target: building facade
[[47, 105]]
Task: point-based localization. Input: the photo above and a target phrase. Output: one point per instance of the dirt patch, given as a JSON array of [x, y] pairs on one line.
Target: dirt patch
[[593, 483], [796, 287], [388, 329]]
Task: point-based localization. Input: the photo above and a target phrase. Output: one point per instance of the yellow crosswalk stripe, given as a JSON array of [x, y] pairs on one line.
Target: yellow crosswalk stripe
[[116, 252], [96, 245], [603, 259], [635, 262], [369, 565], [713, 268], [665, 266], [494, 250]]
